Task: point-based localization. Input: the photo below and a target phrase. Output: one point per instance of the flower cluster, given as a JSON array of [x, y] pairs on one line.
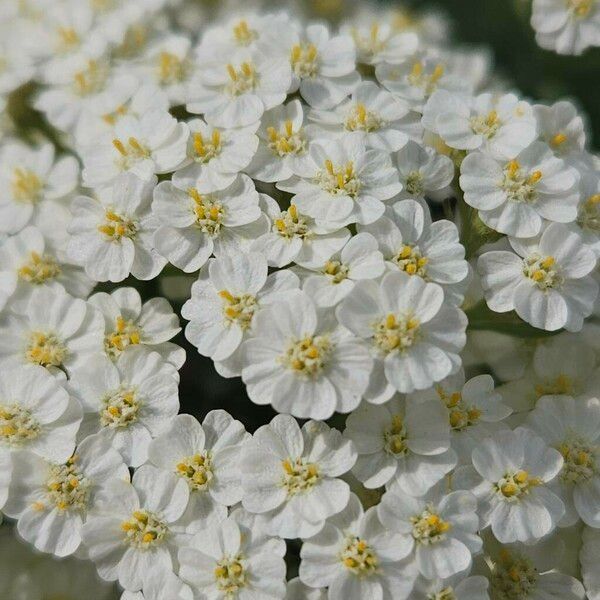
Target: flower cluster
[[356, 206]]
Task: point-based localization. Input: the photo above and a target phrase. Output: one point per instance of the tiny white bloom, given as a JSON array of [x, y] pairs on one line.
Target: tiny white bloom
[[355, 556], [342, 182], [547, 281], [561, 127], [135, 527], [458, 587], [440, 529], [573, 428], [197, 221], [227, 296], [514, 197], [52, 330], [207, 457], [234, 560], [303, 363], [290, 475], [129, 402], [112, 235], [414, 335], [159, 584], [403, 443], [502, 126], [51, 500]]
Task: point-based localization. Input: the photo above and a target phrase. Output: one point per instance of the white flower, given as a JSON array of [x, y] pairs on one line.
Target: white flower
[[323, 66], [514, 197], [36, 414], [134, 529], [197, 221], [112, 235], [461, 588], [471, 407], [547, 282], [234, 559], [502, 126], [52, 500], [128, 322], [561, 127], [290, 476], [567, 27], [588, 216], [207, 457], [36, 264], [415, 337], [512, 471], [330, 283], [168, 62], [160, 584], [415, 245], [53, 330], [151, 143], [230, 291], [402, 443], [303, 364], [440, 529], [35, 187], [342, 182], [235, 89], [356, 557], [573, 428], [423, 172], [588, 558], [296, 237], [416, 79], [129, 402], [283, 143], [215, 156], [372, 115], [379, 42], [523, 572]]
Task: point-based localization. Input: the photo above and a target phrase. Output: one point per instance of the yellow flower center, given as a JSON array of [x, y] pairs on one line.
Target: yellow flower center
[[116, 226], [460, 415], [112, 117], [170, 68], [241, 79], [358, 557], [290, 224], [90, 80], [305, 60], [238, 309], [486, 125], [286, 141], [205, 150], [144, 530], [231, 575], [542, 270], [410, 260], [208, 212], [67, 39], [370, 44], [39, 269], [429, 528], [414, 184], [120, 408], [514, 485], [17, 425], [197, 470], [513, 577], [426, 79], [580, 458], [299, 476], [309, 355], [396, 333], [361, 119], [561, 385], [45, 349], [580, 8], [130, 151], [126, 333], [589, 214], [335, 271], [339, 180], [243, 34], [520, 186], [26, 185], [395, 437], [66, 486]]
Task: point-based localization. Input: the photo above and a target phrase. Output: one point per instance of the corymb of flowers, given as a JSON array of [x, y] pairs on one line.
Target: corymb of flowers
[[390, 250]]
